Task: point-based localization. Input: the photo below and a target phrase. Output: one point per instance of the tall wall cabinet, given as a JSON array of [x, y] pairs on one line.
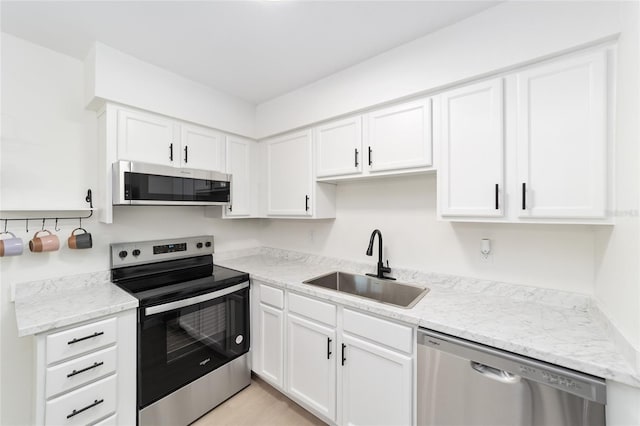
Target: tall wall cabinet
[[531, 146]]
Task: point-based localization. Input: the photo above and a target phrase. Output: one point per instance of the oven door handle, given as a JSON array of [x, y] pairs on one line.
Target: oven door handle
[[158, 309]]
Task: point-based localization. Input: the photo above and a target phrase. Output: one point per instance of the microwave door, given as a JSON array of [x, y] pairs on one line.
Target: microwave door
[[154, 187]]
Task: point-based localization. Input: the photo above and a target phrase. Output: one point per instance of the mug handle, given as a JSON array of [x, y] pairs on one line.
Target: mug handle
[[7, 232], [81, 229], [44, 230]]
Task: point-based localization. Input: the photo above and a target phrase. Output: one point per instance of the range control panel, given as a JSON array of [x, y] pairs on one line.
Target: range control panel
[[136, 253]]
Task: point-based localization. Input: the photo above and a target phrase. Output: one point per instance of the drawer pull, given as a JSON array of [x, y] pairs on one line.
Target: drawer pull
[[91, 367], [76, 412], [96, 334]]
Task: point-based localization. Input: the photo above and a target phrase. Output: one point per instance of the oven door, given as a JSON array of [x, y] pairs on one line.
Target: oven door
[[183, 340]]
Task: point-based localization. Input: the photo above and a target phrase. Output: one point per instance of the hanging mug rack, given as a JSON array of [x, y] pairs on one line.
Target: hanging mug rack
[[88, 199]]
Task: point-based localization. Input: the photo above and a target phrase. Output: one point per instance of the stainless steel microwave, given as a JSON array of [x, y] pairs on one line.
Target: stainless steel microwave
[[150, 184]]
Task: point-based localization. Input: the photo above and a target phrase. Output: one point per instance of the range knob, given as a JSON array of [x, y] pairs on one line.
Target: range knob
[[136, 252], [207, 244], [199, 245], [123, 254]]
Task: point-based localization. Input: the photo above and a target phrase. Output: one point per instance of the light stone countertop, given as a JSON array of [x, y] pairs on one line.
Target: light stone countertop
[[48, 304], [561, 328]]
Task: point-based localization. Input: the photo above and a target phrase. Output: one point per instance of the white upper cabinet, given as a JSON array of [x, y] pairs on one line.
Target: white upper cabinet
[[399, 137], [291, 188], [155, 139], [147, 137], [562, 138], [471, 175], [239, 166], [289, 174], [202, 148], [339, 147]]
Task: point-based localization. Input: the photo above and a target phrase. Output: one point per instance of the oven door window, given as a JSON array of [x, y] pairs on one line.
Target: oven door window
[[179, 346]]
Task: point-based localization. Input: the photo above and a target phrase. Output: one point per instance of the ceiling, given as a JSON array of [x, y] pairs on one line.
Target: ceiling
[[255, 50]]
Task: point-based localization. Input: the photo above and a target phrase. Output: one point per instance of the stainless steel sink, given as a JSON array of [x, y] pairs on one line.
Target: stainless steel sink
[[391, 292]]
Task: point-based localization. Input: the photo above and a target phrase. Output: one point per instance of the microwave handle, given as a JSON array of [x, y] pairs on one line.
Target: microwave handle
[[171, 306]]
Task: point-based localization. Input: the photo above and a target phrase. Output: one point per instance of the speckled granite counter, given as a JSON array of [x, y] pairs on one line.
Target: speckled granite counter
[[48, 304], [558, 327]]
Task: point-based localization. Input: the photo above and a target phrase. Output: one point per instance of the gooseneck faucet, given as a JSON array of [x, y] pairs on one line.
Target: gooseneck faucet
[[381, 268]]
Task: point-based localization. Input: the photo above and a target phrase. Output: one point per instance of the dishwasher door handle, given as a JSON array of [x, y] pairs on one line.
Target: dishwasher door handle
[[495, 373]]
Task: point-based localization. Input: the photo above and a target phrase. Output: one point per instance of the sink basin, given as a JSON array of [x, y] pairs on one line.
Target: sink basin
[[390, 292]]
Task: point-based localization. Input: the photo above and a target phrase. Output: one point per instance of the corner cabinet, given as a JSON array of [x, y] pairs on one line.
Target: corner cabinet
[[86, 373], [551, 163], [291, 188]]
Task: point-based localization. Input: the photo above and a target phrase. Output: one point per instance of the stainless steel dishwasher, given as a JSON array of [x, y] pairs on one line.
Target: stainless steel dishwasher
[[464, 383]]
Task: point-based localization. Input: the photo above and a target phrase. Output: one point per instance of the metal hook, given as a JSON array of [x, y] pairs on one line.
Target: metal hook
[[56, 227], [26, 225], [43, 219], [80, 218], [5, 226]]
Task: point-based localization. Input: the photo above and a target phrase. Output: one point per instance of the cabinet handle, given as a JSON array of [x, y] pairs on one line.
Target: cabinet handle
[[328, 348], [356, 157], [524, 196], [497, 192], [306, 203], [344, 358], [76, 412], [171, 152], [186, 154], [369, 155], [96, 334], [91, 367]]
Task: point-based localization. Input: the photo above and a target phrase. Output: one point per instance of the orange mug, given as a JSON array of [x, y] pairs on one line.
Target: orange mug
[[45, 243]]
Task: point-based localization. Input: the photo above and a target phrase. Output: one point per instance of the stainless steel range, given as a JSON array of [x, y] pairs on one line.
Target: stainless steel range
[[193, 327]]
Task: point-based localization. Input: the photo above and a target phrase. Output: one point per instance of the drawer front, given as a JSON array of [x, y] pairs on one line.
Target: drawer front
[[78, 340], [395, 336], [272, 296], [109, 421], [313, 309], [79, 371], [91, 402]]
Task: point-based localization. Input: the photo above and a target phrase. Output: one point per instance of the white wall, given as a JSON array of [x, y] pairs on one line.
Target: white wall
[[504, 36], [118, 77], [404, 209], [48, 151]]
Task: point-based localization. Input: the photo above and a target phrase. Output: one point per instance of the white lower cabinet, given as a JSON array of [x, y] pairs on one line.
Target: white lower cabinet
[[86, 373], [345, 366], [311, 364], [376, 384]]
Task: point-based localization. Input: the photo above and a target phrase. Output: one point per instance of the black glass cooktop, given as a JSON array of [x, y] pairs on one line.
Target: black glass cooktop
[[173, 280]]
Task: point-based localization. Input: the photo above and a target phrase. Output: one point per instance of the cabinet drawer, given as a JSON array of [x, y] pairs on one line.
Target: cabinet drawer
[[84, 405], [79, 371], [109, 421], [395, 336], [314, 309], [79, 340], [272, 296]]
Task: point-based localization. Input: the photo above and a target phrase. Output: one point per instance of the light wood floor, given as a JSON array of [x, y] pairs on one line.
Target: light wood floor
[[258, 404]]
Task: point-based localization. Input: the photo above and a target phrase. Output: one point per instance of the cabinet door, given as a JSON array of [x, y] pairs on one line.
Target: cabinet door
[[289, 175], [147, 137], [239, 152], [202, 148], [562, 138], [399, 137], [311, 364], [471, 174], [272, 344], [339, 148], [377, 385]]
